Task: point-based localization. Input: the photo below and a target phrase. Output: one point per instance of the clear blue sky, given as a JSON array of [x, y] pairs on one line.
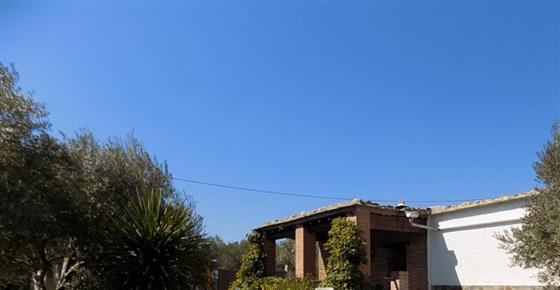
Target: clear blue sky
[[419, 100]]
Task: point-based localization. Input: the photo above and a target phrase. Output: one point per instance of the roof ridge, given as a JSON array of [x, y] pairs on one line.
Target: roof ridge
[[483, 202]]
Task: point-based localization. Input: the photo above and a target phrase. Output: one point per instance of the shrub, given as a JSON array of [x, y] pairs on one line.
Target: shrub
[[156, 244], [347, 251], [252, 264], [277, 283]]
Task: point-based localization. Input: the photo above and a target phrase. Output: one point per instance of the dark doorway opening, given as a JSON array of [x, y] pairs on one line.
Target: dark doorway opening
[[396, 257]]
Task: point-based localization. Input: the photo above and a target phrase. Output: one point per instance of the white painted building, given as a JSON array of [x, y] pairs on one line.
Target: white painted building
[[464, 250], [438, 248]]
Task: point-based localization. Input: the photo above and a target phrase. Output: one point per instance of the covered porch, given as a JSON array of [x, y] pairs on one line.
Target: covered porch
[[396, 251]]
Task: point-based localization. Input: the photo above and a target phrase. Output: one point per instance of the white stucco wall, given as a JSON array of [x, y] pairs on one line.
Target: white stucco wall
[[464, 252]]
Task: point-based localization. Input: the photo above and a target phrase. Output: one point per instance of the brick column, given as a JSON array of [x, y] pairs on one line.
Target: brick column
[[417, 262], [362, 218], [305, 253], [322, 258], [269, 249]]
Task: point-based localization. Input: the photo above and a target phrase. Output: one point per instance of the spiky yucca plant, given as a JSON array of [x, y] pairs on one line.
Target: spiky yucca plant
[[156, 244]]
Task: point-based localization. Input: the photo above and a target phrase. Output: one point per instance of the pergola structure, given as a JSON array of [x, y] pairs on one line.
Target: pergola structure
[[396, 250]]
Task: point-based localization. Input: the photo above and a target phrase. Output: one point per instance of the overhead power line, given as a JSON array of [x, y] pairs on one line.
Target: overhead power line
[[259, 190], [291, 194]]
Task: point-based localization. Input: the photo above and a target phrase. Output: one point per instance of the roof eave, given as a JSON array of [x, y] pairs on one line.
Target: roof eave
[[304, 219]]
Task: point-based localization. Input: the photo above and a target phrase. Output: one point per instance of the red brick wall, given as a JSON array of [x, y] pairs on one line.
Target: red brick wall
[[322, 257], [417, 262]]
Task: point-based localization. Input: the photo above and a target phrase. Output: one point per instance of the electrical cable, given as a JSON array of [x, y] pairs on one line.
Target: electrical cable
[[291, 194]]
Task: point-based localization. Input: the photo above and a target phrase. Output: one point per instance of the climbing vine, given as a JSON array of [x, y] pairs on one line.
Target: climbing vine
[[347, 251], [252, 264]]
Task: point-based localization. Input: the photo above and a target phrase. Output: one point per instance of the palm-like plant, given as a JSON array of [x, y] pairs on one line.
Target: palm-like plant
[[156, 243]]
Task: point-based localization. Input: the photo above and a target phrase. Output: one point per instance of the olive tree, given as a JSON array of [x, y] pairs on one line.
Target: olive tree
[[39, 213], [59, 199], [536, 244]]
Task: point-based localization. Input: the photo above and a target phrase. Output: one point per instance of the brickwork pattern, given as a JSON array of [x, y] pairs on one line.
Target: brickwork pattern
[[322, 258], [305, 253], [417, 262]]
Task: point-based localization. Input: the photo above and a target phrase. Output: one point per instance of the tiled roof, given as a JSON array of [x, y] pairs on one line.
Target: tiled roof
[[329, 208], [484, 202], [425, 211]]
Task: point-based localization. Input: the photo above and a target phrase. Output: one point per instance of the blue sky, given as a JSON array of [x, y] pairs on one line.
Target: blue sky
[[377, 100]]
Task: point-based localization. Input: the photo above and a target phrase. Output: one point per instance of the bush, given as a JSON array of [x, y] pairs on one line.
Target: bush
[[347, 251], [277, 283], [252, 264], [156, 244]]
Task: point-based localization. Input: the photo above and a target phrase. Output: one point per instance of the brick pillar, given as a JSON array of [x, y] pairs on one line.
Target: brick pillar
[[322, 258], [362, 218], [269, 249], [305, 253], [417, 262]]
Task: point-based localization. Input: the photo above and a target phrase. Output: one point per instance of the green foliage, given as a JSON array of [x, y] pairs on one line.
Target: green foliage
[[155, 244], [21, 118], [61, 199], [252, 264], [39, 208], [347, 251], [277, 283], [536, 243], [110, 175], [228, 254], [285, 255]]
